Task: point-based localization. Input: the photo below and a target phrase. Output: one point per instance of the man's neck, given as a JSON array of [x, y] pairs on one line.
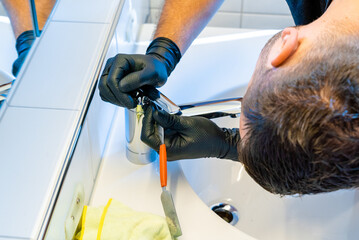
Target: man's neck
[[344, 12]]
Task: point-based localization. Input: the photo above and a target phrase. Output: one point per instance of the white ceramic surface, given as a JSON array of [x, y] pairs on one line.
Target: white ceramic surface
[[27, 185], [263, 215], [44, 76], [265, 14], [266, 216], [138, 186], [96, 11]]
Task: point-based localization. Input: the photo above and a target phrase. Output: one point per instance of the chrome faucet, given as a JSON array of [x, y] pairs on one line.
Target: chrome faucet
[[138, 152]]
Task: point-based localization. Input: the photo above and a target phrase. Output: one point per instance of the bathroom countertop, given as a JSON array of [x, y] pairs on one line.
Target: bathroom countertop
[[138, 186]]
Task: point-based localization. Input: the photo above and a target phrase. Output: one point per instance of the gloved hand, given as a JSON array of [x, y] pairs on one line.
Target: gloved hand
[[125, 74], [189, 137], [23, 44]]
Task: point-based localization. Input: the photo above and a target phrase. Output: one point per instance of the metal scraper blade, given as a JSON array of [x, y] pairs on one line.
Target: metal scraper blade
[[170, 212]]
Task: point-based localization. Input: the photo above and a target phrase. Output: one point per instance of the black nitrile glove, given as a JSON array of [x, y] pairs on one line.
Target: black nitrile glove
[[23, 44], [125, 74], [189, 137]]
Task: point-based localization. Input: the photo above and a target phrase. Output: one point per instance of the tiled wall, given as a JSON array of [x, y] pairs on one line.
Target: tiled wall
[[237, 13], [263, 14], [2, 10]]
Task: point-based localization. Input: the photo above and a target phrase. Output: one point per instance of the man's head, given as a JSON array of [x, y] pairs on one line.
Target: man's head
[[300, 115]]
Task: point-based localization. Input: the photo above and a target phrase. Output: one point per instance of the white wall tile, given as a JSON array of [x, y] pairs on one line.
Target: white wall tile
[[30, 165], [223, 19], [156, 3], [262, 21], [96, 11], [257, 14], [154, 15], [265, 6], [2, 10], [231, 6], [63, 87]]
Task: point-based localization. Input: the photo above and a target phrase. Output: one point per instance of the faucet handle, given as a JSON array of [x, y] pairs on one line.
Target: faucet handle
[[166, 104], [150, 93], [209, 109]]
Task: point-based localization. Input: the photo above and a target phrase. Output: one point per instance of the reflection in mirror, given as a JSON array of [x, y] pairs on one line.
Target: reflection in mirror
[[35, 23], [27, 19]]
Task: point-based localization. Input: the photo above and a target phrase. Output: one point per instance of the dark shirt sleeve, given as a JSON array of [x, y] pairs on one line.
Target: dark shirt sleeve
[[306, 11]]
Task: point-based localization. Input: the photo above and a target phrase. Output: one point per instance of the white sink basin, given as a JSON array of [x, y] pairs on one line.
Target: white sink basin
[[266, 216], [263, 215]]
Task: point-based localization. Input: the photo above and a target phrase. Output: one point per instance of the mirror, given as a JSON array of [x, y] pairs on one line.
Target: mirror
[[25, 19]]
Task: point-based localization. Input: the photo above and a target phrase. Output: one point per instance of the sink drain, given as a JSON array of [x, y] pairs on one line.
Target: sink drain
[[227, 212]]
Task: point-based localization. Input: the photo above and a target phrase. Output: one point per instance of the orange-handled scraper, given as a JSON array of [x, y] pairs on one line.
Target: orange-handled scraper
[[166, 197]]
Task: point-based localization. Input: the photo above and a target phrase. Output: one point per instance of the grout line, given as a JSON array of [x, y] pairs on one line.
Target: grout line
[[43, 108], [13, 237], [241, 17], [272, 14], [77, 21], [241, 11], [257, 13]]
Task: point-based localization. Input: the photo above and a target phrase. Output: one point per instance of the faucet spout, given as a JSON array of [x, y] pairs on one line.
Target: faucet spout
[[139, 153], [209, 109], [214, 109]]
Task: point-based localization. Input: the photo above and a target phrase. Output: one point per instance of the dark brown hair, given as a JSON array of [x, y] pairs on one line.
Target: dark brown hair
[[303, 122]]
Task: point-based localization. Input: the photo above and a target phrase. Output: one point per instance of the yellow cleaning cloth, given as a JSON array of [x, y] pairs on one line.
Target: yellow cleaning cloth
[[117, 221]]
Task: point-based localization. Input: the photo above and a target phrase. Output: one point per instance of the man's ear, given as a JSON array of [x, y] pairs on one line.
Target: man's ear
[[289, 43]]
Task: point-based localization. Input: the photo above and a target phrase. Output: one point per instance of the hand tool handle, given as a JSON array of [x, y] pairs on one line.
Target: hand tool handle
[[163, 165]]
